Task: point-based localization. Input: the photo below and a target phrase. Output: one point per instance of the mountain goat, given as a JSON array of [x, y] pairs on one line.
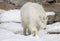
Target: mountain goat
[[33, 18]]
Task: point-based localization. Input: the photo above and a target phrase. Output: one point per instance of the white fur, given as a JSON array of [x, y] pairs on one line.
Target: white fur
[[32, 17]]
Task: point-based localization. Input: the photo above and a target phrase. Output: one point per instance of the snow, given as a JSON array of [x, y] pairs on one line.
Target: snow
[[11, 15], [23, 38], [53, 27], [46, 37], [14, 27], [50, 13], [12, 31], [5, 34], [2, 11]]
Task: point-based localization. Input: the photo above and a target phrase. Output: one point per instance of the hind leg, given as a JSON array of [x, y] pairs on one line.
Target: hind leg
[[29, 31], [26, 31], [35, 32]]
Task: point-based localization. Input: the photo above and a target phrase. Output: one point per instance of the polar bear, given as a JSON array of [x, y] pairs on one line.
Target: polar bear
[[33, 18]]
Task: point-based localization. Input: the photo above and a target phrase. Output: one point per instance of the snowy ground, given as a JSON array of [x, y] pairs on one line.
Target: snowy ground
[[10, 15], [11, 29]]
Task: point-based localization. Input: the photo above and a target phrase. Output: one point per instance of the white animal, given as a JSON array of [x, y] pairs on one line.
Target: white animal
[[33, 18]]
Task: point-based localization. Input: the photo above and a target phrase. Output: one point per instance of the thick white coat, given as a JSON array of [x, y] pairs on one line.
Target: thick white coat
[[33, 17]]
